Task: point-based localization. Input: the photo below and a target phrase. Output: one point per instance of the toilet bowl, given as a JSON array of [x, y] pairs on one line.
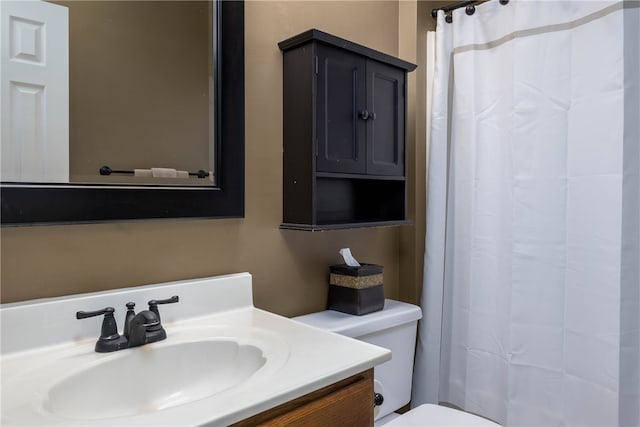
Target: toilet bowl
[[394, 327], [436, 415]]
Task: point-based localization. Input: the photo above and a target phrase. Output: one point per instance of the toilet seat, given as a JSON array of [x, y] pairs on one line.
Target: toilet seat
[[429, 415]]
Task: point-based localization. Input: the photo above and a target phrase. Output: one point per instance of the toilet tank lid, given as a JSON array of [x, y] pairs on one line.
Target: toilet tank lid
[[394, 313]]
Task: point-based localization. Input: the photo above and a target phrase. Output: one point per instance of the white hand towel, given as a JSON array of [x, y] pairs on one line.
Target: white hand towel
[[163, 173], [182, 174], [142, 172]]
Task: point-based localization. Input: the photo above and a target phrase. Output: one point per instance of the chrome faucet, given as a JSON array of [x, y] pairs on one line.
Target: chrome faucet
[[139, 329]]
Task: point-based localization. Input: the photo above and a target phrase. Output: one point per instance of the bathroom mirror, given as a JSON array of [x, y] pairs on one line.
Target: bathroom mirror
[[202, 105]]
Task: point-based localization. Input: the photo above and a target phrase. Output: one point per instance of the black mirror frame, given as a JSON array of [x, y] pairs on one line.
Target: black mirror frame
[[60, 204]]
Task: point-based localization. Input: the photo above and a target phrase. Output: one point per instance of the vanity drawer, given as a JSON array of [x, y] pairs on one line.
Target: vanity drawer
[[345, 403]]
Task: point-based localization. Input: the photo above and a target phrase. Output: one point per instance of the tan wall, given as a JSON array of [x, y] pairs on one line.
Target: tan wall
[[289, 267]]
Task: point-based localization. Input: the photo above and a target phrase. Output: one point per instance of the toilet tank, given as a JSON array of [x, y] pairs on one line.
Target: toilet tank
[[394, 328]]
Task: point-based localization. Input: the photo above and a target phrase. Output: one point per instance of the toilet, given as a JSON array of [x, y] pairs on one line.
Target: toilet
[[394, 328]]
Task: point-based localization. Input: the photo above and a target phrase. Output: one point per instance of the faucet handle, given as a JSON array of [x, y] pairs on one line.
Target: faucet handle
[[109, 328], [173, 299], [109, 338], [85, 314], [153, 304]]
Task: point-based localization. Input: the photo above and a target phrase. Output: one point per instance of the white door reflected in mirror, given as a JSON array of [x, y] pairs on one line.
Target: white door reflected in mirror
[[34, 88]]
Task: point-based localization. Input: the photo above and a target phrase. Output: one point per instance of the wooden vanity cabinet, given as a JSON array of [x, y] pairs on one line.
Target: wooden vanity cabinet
[[345, 403], [344, 124]]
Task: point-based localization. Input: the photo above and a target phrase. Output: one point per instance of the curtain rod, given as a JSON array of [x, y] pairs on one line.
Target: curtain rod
[[469, 4]]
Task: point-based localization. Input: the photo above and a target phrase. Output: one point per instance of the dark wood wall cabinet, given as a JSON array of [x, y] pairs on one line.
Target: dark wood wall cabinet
[[344, 124]]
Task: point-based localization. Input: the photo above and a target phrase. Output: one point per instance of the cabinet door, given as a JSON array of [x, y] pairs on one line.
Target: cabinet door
[[34, 125], [385, 125], [346, 403], [340, 97]]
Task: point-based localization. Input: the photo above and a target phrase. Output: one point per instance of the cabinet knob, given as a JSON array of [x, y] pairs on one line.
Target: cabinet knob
[[367, 115]]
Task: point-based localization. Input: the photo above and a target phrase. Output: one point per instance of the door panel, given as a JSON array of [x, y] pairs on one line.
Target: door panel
[[340, 97], [34, 88], [385, 127]]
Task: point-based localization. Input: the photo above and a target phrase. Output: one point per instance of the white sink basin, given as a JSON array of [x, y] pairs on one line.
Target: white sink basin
[[200, 365], [223, 360], [144, 380]]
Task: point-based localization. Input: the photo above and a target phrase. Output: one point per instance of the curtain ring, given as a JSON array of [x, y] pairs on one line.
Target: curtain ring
[[504, 2], [448, 18], [470, 10]]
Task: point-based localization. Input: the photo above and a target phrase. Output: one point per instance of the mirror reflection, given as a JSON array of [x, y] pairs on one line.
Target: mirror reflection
[[138, 86]]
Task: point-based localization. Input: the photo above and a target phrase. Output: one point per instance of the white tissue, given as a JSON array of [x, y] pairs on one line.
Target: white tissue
[[348, 258]]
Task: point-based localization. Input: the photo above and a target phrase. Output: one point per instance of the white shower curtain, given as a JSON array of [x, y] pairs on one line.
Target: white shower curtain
[[532, 267]]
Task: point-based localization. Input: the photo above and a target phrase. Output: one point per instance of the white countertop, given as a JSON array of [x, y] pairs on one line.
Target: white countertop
[[300, 358]]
